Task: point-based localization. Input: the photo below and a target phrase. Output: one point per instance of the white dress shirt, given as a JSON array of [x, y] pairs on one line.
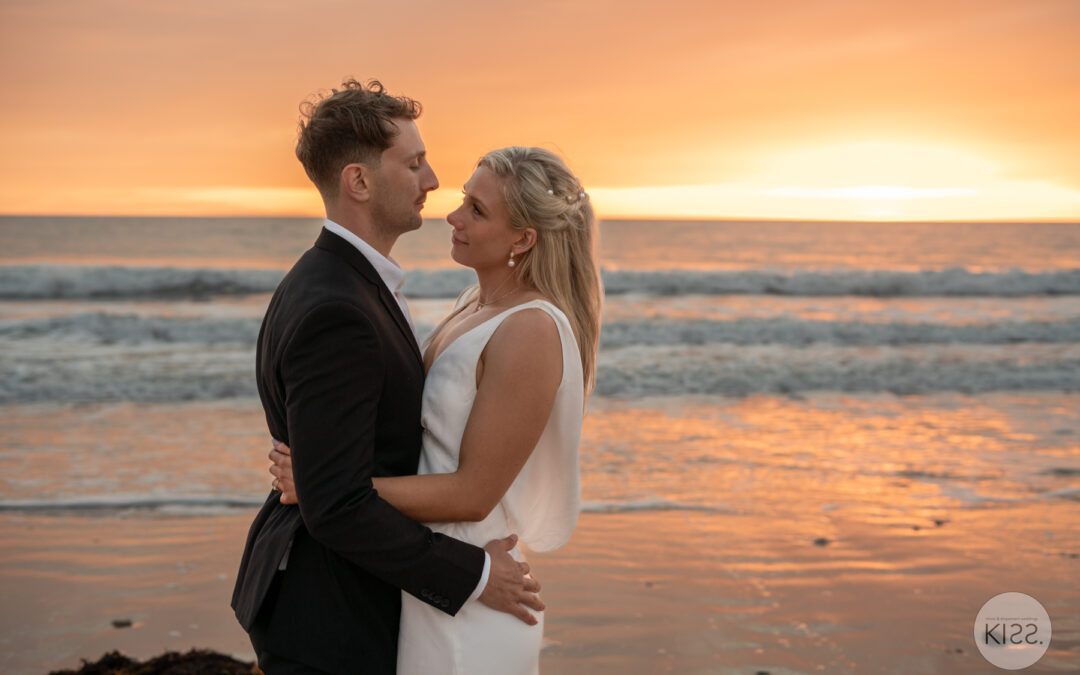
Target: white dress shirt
[[387, 268]]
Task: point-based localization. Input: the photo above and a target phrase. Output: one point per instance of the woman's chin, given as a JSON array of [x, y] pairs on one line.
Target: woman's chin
[[456, 256]]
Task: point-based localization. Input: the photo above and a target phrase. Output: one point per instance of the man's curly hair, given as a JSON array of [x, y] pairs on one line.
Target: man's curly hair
[[353, 124]]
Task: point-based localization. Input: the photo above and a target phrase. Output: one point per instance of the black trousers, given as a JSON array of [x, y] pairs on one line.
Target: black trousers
[[270, 663]]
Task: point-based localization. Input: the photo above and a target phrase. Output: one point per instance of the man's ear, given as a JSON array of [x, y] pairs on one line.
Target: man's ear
[[525, 241], [356, 182]]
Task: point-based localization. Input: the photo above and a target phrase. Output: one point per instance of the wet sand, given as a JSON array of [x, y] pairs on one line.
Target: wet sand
[[835, 590]]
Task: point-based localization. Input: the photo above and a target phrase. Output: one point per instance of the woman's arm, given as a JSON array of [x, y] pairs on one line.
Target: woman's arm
[[520, 371]]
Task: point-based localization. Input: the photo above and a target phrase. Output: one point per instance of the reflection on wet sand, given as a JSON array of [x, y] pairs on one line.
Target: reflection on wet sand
[[834, 533]]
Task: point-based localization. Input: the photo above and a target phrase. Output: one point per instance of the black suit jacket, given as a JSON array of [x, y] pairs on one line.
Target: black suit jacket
[[340, 378]]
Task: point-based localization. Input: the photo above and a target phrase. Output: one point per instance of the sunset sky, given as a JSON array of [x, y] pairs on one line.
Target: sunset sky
[[845, 109]]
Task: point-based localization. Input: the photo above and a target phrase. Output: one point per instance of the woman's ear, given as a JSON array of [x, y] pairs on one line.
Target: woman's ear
[[356, 182], [525, 241]]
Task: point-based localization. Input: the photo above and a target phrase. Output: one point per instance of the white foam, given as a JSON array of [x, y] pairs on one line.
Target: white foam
[[651, 505], [743, 370], [877, 283], [24, 282], [114, 503], [110, 328], [803, 332]]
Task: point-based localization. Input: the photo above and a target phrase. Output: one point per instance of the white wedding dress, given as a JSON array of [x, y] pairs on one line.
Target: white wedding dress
[[541, 507]]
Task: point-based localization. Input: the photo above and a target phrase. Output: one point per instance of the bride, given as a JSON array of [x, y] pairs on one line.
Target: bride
[[507, 374]]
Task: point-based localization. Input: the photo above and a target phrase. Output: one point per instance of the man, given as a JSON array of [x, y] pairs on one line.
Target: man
[[340, 377]]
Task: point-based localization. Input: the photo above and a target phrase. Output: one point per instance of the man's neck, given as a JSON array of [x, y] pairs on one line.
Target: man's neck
[[365, 229]]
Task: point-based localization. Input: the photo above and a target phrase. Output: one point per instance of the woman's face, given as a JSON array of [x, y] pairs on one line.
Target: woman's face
[[482, 236]]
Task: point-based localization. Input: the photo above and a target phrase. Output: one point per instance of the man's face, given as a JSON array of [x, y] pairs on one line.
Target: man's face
[[401, 182]]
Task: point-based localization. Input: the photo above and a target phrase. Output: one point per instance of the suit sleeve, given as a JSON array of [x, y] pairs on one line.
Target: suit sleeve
[[332, 375]]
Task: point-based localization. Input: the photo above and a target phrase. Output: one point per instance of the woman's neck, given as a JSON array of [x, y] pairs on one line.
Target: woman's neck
[[497, 286]]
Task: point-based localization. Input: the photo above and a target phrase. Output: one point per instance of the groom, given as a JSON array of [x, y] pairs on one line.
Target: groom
[[340, 377]]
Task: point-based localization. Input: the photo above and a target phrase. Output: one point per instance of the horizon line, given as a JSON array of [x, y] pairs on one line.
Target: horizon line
[[632, 218]]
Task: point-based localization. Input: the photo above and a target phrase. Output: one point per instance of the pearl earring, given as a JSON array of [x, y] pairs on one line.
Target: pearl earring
[[511, 263]]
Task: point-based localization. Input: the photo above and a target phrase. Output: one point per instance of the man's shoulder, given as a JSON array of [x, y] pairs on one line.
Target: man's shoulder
[[319, 279], [320, 275]]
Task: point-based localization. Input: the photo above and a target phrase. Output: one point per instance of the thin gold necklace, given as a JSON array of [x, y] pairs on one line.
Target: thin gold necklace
[[480, 305]]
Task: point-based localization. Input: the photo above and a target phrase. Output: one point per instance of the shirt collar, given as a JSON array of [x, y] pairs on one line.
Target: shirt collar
[[387, 268]]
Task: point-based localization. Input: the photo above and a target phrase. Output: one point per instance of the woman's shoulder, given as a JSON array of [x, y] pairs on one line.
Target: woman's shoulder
[[537, 314], [542, 303], [532, 325], [526, 346]]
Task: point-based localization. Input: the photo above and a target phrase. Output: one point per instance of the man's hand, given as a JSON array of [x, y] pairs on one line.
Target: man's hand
[[282, 472], [509, 588]]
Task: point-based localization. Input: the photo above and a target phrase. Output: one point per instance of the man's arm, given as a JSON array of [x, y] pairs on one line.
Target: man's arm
[[332, 373]]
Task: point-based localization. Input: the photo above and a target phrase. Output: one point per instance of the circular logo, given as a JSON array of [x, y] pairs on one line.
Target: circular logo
[[1012, 631]]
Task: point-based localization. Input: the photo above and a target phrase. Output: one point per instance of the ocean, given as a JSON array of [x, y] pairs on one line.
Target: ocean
[[904, 376]]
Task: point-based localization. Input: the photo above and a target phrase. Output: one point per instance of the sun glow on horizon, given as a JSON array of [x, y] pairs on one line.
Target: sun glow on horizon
[[865, 181], [856, 181]]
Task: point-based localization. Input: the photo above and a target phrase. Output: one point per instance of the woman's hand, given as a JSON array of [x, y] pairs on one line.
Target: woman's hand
[[281, 469]]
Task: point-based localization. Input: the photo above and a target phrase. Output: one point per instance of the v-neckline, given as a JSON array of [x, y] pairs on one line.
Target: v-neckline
[[463, 334]]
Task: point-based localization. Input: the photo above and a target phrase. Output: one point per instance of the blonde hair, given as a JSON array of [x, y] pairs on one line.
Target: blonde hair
[[540, 192]]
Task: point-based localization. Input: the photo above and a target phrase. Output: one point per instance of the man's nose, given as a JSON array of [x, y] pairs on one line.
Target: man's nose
[[432, 181]]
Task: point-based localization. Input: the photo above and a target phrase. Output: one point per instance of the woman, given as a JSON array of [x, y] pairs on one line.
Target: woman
[[507, 373]]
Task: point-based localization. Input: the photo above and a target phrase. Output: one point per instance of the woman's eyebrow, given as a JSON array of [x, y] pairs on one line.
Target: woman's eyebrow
[[475, 199]]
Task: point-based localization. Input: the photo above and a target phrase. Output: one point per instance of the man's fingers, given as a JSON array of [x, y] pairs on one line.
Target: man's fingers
[[532, 600], [523, 614], [510, 589]]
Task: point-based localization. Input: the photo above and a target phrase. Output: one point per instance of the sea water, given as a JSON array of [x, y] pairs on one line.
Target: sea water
[[110, 325], [900, 373]]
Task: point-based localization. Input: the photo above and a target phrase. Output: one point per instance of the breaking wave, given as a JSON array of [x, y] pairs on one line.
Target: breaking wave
[[181, 372], [131, 329], [39, 282]]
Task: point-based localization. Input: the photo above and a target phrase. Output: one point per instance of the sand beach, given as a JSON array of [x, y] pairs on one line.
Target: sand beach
[[833, 556]]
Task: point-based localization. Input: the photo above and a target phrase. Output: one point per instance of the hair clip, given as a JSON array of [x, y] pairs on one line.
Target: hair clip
[[570, 198]]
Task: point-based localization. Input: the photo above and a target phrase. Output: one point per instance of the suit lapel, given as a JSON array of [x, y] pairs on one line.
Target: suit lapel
[[331, 242]]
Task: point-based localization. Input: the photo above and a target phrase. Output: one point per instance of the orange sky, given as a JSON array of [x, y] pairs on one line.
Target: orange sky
[[773, 109]]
